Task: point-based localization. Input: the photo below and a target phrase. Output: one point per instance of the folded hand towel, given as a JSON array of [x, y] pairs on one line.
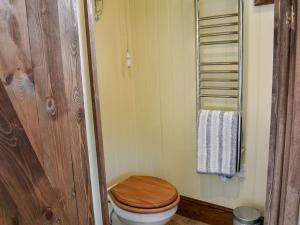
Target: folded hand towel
[[217, 142]]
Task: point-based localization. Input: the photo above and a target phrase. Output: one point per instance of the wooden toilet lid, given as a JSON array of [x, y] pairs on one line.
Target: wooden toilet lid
[[145, 192]]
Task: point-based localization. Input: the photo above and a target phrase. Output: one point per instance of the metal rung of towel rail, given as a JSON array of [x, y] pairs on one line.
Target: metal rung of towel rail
[[218, 71], [219, 42], [218, 16], [219, 34], [218, 80], [218, 63], [219, 96], [219, 88], [221, 30], [218, 25]]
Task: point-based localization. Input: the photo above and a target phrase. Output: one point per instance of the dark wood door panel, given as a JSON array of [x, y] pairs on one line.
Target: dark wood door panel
[[16, 69], [57, 75], [22, 174], [52, 105], [74, 95], [283, 186], [8, 209], [40, 69]]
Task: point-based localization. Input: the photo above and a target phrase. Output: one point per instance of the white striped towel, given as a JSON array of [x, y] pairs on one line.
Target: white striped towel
[[217, 143]]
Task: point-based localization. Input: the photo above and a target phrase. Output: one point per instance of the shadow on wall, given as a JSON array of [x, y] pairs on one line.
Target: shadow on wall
[[211, 187]]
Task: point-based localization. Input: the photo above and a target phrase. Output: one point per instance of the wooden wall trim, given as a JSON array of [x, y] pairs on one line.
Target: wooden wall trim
[[93, 77], [263, 2], [283, 186], [205, 212]]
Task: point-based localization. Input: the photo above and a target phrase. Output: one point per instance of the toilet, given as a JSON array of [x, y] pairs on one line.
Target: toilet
[[144, 200]]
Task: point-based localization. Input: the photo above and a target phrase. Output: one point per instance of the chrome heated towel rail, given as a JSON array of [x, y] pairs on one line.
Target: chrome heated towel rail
[[233, 36]]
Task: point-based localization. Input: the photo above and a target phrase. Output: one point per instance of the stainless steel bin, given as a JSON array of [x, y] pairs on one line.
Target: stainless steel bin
[[246, 216]]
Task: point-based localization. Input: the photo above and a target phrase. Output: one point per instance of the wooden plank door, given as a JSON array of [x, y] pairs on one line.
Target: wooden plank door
[[42, 115], [283, 187]]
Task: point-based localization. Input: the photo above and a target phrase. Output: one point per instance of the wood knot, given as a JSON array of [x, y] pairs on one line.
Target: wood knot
[[58, 220], [73, 194], [79, 110], [48, 214], [50, 107], [30, 78], [15, 221], [80, 115], [44, 10], [8, 78], [29, 73]]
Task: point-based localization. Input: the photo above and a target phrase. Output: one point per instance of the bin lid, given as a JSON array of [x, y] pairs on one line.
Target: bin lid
[[247, 215]]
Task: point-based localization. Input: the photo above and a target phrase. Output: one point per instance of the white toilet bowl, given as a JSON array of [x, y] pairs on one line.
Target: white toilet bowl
[[144, 201], [130, 218]]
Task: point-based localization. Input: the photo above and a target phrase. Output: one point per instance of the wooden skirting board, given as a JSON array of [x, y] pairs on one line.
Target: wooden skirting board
[[263, 2], [205, 212]]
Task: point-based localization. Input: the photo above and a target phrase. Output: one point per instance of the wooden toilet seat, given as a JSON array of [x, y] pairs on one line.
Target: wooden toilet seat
[[144, 194]]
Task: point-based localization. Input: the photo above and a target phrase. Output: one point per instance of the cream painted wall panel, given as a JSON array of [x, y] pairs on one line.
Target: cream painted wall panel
[[176, 65], [117, 103], [264, 62], [132, 141], [146, 85], [149, 111]]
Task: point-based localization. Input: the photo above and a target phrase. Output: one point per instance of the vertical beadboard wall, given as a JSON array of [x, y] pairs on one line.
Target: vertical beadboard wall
[[163, 40], [148, 110], [132, 144]]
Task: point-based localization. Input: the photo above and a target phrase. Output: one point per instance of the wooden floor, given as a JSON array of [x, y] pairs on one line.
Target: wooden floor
[[180, 220]]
